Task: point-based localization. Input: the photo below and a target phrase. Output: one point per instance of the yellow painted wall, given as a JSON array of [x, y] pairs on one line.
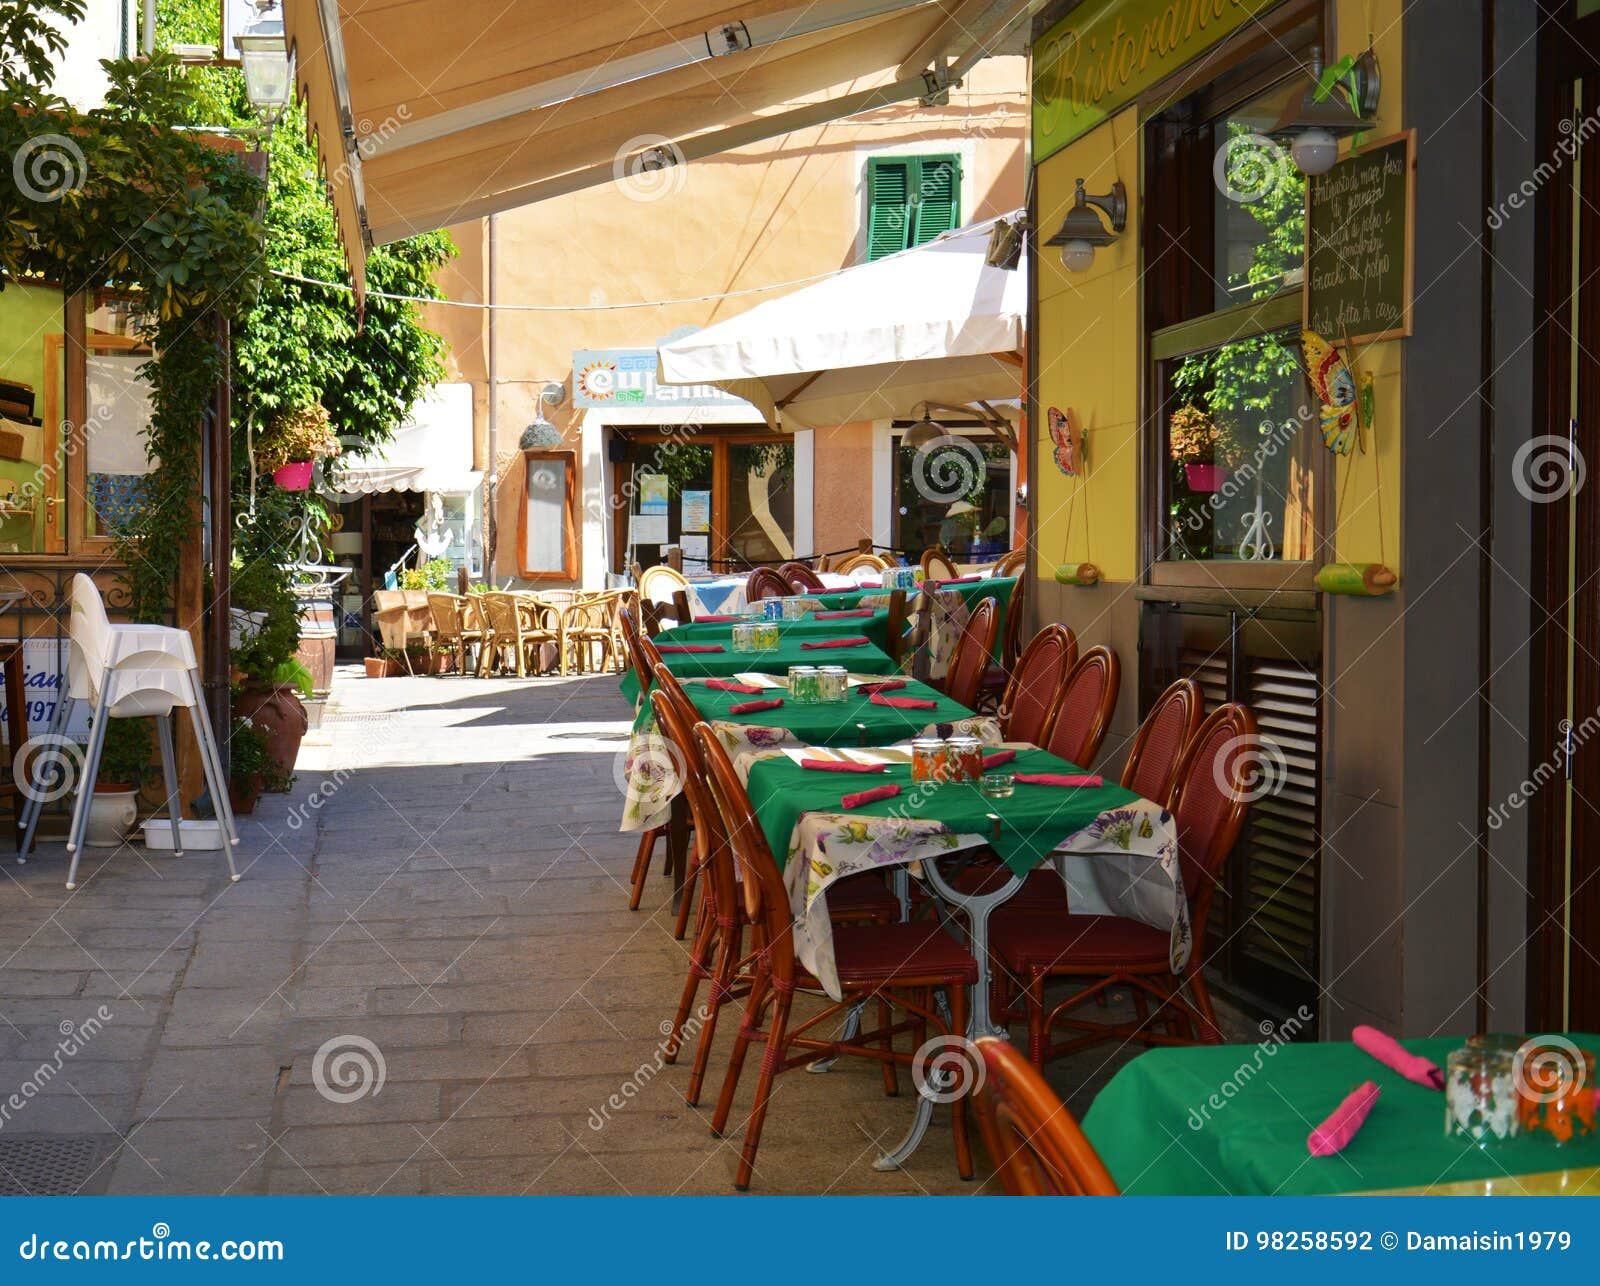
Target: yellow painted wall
[[1089, 354]]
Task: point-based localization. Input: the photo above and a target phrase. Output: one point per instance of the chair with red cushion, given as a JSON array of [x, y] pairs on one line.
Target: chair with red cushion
[[972, 652], [1083, 708], [1036, 682], [1209, 803], [1152, 764], [765, 582], [801, 579], [1033, 1140], [898, 963], [643, 656]]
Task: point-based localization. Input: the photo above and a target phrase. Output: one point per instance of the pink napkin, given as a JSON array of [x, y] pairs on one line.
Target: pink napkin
[[689, 647], [751, 707], [1343, 1123], [1388, 1051], [869, 796], [959, 580], [718, 618], [998, 758], [839, 765], [904, 703], [884, 685], [820, 643], [732, 685], [834, 616], [1060, 779]]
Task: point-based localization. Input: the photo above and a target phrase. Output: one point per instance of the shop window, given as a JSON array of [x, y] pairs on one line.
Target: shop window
[[548, 544], [956, 493], [1236, 455], [910, 201]]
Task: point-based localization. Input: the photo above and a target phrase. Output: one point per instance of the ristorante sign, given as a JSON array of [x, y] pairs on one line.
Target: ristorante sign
[[1105, 53]]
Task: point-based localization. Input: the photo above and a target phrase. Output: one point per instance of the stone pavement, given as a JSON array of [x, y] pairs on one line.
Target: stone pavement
[[428, 981]]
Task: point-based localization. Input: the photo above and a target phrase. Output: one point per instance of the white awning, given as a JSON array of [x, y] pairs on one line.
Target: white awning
[[934, 323], [432, 451]]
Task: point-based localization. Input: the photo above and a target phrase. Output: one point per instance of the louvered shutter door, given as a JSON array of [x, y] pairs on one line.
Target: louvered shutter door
[[936, 201], [888, 196]]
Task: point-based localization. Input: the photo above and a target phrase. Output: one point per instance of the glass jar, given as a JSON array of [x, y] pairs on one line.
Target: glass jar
[[1480, 1100], [744, 636], [803, 683], [793, 608], [997, 783], [927, 759], [766, 636], [833, 682], [1555, 1089], [965, 755], [771, 609]]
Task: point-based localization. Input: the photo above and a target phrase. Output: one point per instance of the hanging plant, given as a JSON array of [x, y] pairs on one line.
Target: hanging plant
[[292, 444]]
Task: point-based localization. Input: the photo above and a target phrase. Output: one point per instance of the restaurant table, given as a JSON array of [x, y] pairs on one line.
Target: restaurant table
[[866, 659], [875, 627], [650, 770], [937, 617], [1117, 854], [1233, 1119]]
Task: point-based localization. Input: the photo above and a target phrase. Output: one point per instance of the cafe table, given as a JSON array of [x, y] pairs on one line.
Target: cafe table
[[1116, 853], [936, 615], [650, 768], [874, 625], [1210, 1120], [791, 650]]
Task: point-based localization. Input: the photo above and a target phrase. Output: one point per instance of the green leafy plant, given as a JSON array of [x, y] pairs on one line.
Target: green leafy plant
[[260, 585], [434, 575], [294, 671], [295, 436], [126, 755], [250, 767]]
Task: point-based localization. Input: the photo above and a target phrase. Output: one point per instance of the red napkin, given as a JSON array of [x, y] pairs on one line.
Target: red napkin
[[885, 685], [959, 580], [718, 618], [999, 757], [904, 703], [1343, 1123], [834, 616], [732, 685], [750, 707], [855, 642], [689, 647], [839, 765], [869, 584], [1060, 779], [1388, 1051], [869, 796]]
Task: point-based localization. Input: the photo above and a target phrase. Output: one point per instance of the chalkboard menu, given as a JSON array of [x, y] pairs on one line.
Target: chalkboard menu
[[1358, 243]]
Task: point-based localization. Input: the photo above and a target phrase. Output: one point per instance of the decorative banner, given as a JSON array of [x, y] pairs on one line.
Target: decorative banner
[[607, 377], [1105, 53]]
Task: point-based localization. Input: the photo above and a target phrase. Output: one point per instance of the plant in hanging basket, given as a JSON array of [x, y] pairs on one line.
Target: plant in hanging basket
[[1201, 445], [292, 443]]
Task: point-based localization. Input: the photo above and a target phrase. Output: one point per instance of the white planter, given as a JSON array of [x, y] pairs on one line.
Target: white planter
[[111, 815], [197, 836]]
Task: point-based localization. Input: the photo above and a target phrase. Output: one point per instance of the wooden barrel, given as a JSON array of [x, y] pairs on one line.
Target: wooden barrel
[[318, 638]]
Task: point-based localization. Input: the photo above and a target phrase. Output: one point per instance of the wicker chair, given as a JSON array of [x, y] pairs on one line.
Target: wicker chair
[[451, 628], [972, 653], [1036, 1145], [1011, 563], [586, 635], [521, 626], [657, 583], [938, 565], [854, 562], [1082, 713], [801, 579], [765, 582], [403, 619]]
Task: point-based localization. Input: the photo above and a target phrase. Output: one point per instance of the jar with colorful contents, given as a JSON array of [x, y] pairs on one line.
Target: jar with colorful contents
[[744, 636], [927, 759], [833, 682], [965, 755], [1480, 1100], [767, 634], [804, 684], [772, 609], [794, 608], [1555, 1089]]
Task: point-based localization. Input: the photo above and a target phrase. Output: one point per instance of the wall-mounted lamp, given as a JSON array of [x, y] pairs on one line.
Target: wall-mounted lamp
[[1314, 121], [928, 430], [1082, 230], [264, 59]]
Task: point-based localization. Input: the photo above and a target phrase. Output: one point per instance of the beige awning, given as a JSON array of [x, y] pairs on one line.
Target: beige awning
[[433, 112]]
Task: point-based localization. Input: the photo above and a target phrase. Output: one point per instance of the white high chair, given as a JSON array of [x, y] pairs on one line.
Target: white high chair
[[130, 672]]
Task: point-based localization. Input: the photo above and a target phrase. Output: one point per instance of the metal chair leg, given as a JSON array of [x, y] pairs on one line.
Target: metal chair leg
[[169, 771], [91, 769], [33, 807], [216, 779]]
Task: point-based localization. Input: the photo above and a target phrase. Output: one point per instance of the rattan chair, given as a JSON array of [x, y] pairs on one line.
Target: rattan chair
[[521, 626], [1082, 713], [451, 629], [972, 653], [657, 583], [1037, 1147], [855, 562], [938, 565]]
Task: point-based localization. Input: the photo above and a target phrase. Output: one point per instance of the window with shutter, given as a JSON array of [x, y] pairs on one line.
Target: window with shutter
[[910, 201]]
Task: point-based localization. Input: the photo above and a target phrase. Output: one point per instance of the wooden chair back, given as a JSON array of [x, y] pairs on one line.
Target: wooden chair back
[[937, 564], [1011, 563], [676, 717], [1037, 1147], [764, 582], [1016, 611], [680, 606], [971, 657], [633, 643], [1225, 766], [896, 625], [854, 562], [801, 579], [1152, 767], [1083, 708], [447, 611], [1035, 683], [658, 582]]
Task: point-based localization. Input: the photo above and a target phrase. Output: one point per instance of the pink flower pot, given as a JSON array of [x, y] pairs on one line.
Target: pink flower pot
[[296, 476], [1205, 477]]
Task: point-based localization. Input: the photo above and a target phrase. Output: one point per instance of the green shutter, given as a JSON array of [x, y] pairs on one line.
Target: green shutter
[[936, 205], [888, 197]]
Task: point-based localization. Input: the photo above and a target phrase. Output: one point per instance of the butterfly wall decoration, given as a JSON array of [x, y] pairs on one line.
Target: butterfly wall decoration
[[1068, 439], [1346, 408]]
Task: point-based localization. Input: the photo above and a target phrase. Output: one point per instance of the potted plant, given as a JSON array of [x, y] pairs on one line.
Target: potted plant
[[1196, 441], [114, 805], [293, 442], [251, 769], [271, 680]]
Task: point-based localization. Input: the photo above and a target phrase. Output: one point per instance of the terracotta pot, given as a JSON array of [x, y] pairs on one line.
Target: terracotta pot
[[381, 667], [113, 809], [295, 476], [243, 798], [278, 712]]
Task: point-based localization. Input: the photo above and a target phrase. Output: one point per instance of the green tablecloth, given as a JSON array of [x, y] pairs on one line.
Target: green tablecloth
[[875, 627], [1233, 1119], [1000, 588], [1032, 822], [703, 665], [855, 722]]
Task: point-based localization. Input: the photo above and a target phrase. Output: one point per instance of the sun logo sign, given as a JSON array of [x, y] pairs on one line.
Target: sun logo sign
[[598, 381]]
